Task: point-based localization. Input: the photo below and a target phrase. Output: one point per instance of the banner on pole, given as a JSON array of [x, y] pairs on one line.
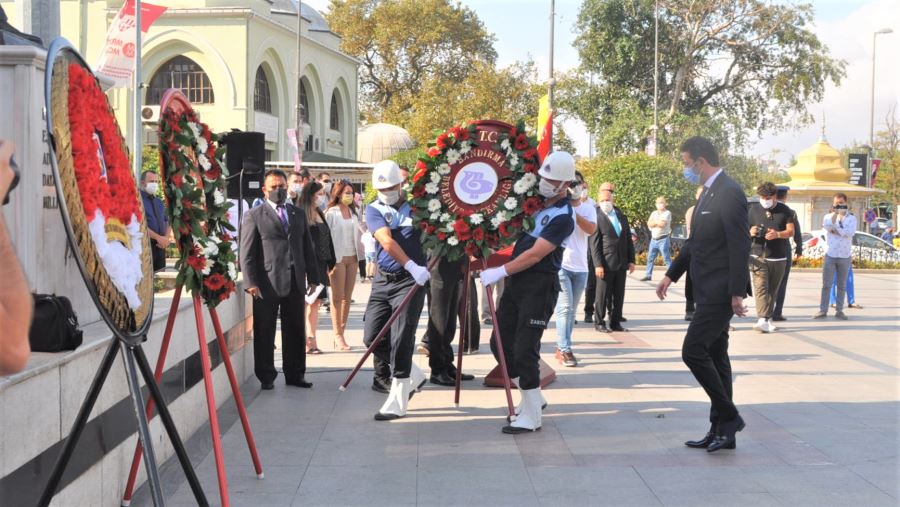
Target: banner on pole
[[858, 163], [117, 58], [543, 115], [295, 147], [876, 164]]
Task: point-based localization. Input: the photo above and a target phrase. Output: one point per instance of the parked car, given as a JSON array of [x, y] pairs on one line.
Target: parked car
[[865, 247]]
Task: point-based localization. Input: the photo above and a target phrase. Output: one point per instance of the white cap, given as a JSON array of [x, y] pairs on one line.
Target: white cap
[[386, 174], [559, 166]]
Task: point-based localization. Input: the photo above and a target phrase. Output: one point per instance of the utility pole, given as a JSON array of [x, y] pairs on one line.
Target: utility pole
[[552, 77], [299, 132], [137, 125], [654, 130]]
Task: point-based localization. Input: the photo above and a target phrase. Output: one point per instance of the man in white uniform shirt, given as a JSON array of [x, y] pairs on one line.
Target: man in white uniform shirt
[[840, 226], [574, 272]]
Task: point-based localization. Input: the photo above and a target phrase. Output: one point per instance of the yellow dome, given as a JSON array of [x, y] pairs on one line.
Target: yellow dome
[[819, 162]]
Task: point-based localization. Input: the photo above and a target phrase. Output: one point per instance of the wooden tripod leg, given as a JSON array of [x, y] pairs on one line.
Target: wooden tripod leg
[[498, 343], [464, 329]]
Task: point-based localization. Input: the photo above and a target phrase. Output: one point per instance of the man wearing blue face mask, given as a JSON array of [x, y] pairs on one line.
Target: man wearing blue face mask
[[770, 229], [717, 251]]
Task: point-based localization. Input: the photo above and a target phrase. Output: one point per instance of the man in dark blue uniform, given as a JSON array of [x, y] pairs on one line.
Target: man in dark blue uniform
[[533, 285], [401, 266]]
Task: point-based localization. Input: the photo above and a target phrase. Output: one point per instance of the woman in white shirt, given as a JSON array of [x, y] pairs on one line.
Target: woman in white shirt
[[343, 220]]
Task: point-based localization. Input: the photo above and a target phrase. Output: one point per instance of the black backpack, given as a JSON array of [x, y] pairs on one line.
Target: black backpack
[[55, 325]]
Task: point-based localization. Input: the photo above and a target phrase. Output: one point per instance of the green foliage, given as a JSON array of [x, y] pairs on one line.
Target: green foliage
[[749, 173], [639, 180], [727, 68], [887, 148]]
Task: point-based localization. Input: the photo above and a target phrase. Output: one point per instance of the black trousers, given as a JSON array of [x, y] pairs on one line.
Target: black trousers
[[688, 292], [397, 347], [362, 269], [610, 292], [293, 335], [474, 338], [443, 309], [525, 308], [782, 289], [590, 289], [705, 352]]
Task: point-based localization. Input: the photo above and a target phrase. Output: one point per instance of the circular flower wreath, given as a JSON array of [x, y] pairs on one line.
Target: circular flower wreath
[[105, 183], [197, 207], [455, 235]]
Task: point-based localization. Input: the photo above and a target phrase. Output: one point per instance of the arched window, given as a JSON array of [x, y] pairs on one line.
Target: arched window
[[304, 102], [262, 100], [335, 122], [183, 73]]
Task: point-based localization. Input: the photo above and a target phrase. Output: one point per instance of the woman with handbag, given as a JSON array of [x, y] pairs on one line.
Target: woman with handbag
[[310, 200]]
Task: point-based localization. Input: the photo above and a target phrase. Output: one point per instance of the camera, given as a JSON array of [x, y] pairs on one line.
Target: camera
[[15, 181], [761, 231]]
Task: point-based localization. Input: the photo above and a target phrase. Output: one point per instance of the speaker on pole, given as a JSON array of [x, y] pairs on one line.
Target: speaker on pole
[[245, 158]]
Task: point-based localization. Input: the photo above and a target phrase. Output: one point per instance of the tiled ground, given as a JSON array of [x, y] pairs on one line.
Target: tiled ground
[[820, 399]]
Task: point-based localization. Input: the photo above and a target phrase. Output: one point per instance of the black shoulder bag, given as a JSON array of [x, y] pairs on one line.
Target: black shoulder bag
[[55, 326]]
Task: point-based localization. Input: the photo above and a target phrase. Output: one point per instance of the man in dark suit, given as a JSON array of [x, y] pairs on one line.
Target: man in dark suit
[[718, 252], [278, 260], [612, 253]]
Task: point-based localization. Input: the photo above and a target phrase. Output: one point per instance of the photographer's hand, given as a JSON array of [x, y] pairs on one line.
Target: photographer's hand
[[7, 148]]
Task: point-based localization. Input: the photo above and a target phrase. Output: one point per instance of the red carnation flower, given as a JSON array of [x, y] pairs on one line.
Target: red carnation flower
[[186, 203], [443, 141], [423, 225], [434, 151], [196, 262], [214, 281], [442, 236], [531, 153], [521, 142], [530, 168], [471, 249], [225, 237], [532, 205], [517, 221], [419, 174], [419, 191], [463, 134], [178, 180], [503, 229], [430, 229], [214, 172], [513, 132], [478, 234], [463, 232]]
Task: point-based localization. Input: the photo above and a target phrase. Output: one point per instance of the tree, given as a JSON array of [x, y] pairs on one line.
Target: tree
[[561, 140], [887, 148], [728, 68], [404, 44], [507, 94]]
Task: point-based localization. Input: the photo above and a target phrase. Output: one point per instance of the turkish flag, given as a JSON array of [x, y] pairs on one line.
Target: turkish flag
[[149, 13], [545, 146]]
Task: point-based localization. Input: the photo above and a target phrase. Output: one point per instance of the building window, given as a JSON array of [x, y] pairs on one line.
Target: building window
[[262, 100], [304, 103], [270, 155], [335, 122], [183, 73]]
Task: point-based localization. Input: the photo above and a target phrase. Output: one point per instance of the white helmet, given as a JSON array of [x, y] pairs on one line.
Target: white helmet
[[386, 174], [559, 166]]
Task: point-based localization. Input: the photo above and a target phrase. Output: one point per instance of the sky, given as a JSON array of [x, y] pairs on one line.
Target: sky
[[521, 28]]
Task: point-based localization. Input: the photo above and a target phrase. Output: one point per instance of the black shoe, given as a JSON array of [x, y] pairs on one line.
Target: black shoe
[[380, 386], [704, 442], [588, 318], [645, 279], [463, 377], [299, 383], [601, 326], [385, 417], [268, 386], [443, 379], [780, 318], [515, 430], [726, 439], [618, 328], [624, 319]]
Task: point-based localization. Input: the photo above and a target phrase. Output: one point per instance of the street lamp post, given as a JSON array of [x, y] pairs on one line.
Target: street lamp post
[[654, 130], [867, 172]]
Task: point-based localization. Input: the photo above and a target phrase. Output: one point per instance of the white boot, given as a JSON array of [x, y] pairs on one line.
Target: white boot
[[519, 407], [418, 378], [395, 405], [529, 418]]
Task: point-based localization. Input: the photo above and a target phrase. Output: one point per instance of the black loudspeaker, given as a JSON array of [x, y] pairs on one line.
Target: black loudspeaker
[[245, 158]]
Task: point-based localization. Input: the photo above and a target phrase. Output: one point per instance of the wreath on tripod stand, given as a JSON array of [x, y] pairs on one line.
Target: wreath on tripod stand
[[197, 207]]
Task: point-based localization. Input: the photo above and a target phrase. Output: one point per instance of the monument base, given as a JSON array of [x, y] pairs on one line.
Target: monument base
[[495, 377]]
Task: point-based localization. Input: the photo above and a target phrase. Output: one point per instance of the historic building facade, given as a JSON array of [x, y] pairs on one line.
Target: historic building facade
[[236, 61]]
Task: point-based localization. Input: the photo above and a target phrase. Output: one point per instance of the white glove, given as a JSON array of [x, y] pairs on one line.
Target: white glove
[[419, 273], [493, 275]]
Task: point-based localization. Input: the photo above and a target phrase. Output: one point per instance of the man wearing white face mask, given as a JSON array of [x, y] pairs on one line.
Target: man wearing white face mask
[[401, 265], [532, 287], [771, 228], [660, 225], [158, 228]]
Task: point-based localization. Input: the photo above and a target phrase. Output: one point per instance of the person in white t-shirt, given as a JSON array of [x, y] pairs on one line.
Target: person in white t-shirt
[[574, 272], [660, 225], [368, 242]]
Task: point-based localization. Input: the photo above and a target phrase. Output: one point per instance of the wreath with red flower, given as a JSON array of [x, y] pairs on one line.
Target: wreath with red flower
[[105, 183], [455, 235], [197, 207]]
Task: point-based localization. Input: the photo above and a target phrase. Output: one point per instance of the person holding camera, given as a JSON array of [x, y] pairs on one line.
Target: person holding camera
[[840, 226], [15, 298], [770, 231]]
